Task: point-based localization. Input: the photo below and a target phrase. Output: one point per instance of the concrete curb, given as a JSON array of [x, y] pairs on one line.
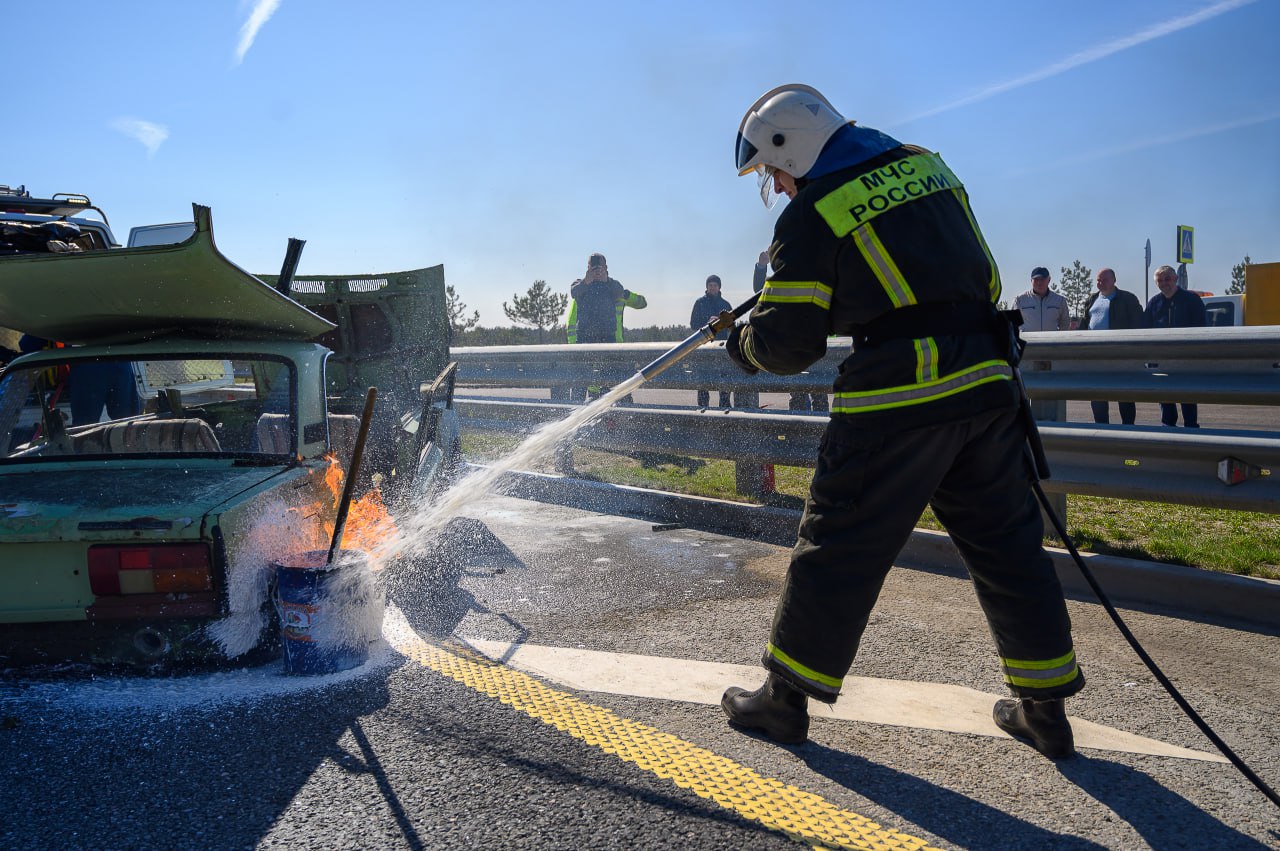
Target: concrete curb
[[1242, 601]]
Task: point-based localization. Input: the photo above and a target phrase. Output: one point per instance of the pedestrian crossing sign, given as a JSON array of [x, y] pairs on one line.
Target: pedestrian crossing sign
[[1186, 244]]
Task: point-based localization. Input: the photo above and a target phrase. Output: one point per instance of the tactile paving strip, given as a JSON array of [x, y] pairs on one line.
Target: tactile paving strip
[[776, 805]]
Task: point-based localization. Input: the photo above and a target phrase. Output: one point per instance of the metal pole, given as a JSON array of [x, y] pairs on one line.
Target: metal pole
[[292, 255], [1146, 278], [353, 470]]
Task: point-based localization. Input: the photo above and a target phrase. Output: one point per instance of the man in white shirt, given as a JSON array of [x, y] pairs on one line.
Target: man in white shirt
[[1112, 309], [1042, 308]]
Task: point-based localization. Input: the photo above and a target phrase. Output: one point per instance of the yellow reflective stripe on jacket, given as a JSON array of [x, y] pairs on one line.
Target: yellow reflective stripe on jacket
[[900, 182], [1041, 673], [796, 292], [926, 359], [747, 348], [882, 265], [617, 330], [993, 285], [926, 391], [572, 321], [807, 673]]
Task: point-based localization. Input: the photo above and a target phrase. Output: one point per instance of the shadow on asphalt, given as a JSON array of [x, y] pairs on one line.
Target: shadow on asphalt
[[373, 766], [1163, 818], [960, 820], [493, 740], [427, 592], [203, 785]]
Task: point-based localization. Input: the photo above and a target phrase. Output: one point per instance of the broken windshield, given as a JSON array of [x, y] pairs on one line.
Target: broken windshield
[[91, 407]]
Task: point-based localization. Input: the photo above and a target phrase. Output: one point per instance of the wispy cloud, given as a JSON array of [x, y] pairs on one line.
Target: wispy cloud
[[1150, 142], [1084, 57], [150, 134], [262, 12]]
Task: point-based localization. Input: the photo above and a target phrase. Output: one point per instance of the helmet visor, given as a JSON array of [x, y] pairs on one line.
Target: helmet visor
[[764, 177], [746, 152]]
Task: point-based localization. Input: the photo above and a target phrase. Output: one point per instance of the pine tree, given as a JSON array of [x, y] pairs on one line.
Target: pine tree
[[458, 312], [539, 308], [1076, 285], [1237, 276]]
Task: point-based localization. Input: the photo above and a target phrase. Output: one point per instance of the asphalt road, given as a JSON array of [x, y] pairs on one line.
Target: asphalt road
[[431, 745]]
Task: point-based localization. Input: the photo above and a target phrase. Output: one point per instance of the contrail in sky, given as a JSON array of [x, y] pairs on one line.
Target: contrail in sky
[[150, 134], [1084, 57], [1151, 142], [262, 12]]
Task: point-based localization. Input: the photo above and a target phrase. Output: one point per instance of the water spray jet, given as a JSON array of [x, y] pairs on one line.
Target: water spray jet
[[425, 524]]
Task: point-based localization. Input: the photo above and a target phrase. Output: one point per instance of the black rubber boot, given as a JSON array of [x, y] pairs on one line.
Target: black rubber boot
[[1042, 724], [777, 709]]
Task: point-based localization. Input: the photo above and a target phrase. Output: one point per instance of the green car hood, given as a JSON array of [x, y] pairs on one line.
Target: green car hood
[[131, 294], [146, 501]]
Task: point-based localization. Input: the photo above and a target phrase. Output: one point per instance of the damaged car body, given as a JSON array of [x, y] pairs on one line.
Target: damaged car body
[[186, 435]]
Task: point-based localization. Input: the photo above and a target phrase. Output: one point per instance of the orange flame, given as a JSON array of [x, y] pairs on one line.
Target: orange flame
[[369, 524], [333, 476]]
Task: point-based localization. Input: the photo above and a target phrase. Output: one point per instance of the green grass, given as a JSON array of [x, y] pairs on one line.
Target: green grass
[[1238, 542]]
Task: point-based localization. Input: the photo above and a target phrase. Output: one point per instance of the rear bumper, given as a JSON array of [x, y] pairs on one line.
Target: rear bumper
[[153, 645]]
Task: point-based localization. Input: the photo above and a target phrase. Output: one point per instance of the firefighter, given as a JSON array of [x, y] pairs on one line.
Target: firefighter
[[878, 242]]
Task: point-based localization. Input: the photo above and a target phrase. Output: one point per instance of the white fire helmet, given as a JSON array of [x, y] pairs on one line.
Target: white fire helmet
[[785, 129]]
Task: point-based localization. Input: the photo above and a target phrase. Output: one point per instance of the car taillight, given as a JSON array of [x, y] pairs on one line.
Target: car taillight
[[116, 569]]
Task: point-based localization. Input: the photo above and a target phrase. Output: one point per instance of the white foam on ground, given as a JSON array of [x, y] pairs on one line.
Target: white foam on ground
[[199, 691], [187, 691]]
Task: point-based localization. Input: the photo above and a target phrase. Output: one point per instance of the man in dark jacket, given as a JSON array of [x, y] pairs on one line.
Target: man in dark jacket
[[1174, 307], [706, 309], [595, 313], [1112, 309], [879, 242], [598, 301]]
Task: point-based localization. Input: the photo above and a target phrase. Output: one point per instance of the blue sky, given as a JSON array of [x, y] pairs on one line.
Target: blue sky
[[509, 141]]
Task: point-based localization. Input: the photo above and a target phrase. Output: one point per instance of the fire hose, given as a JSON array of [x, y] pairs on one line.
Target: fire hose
[[1035, 447]]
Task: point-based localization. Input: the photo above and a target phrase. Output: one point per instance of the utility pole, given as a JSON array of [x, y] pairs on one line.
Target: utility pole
[[1146, 278]]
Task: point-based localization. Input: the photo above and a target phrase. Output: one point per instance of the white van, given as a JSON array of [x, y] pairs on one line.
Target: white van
[[1223, 310]]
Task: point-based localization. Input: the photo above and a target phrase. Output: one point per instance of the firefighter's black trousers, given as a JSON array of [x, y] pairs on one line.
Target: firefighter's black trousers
[[869, 489]]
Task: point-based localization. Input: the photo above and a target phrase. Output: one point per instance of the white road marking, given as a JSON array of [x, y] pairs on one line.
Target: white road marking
[[929, 706]]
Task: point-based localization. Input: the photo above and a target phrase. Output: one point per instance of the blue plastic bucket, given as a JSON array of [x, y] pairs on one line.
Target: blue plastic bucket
[[309, 613]]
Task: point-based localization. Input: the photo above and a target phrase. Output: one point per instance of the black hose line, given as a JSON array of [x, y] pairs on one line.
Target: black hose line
[[1147, 660], [1036, 447]]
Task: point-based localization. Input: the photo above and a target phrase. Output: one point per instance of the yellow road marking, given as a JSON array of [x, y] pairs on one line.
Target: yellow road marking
[[774, 804]]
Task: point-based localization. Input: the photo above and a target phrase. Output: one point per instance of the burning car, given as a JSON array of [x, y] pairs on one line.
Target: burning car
[[188, 431]]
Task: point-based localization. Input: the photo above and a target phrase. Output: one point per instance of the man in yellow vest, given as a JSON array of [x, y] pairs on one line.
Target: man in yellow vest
[[878, 242], [595, 316], [595, 313]]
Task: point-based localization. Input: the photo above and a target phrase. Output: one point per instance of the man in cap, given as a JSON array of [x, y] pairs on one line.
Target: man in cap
[[706, 309], [1042, 308], [879, 242]]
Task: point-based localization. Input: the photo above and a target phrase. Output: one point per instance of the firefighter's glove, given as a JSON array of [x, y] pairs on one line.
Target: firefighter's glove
[[732, 346]]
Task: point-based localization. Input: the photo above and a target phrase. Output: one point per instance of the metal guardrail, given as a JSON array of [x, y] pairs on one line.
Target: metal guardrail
[[1238, 366]]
